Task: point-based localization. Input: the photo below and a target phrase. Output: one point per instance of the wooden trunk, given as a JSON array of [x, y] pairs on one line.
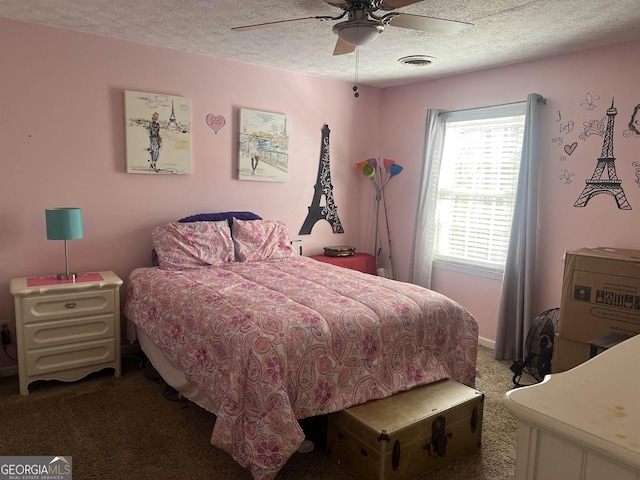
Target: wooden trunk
[[405, 435]]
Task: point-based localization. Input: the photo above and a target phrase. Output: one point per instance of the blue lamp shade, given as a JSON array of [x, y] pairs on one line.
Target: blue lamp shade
[[394, 169], [64, 223]]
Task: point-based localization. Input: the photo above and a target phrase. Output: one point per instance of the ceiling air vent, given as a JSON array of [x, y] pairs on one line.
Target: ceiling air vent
[[416, 60]]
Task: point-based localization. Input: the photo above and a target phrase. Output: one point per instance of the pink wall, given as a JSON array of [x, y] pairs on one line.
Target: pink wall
[[565, 82], [63, 144], [62, 133]]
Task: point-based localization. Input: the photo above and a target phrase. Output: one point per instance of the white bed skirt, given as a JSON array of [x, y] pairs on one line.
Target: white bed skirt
[[172, 373]]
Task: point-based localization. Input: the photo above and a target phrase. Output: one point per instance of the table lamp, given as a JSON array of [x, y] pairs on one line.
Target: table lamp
[[64, 224]]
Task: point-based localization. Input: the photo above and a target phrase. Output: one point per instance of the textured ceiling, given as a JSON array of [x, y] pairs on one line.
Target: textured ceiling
[[504, 31]]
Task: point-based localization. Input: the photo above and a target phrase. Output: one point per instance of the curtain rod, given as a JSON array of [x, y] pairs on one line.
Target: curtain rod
[[541, 99]]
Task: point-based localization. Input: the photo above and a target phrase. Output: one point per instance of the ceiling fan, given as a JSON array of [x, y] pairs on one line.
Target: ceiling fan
[[363, 24]]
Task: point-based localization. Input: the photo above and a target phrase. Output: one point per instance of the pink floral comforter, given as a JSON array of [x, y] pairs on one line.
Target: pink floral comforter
[[275, 341]]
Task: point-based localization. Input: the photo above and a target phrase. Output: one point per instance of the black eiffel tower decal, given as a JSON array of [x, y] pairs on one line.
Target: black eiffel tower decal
[[611, 186], [329, 211]]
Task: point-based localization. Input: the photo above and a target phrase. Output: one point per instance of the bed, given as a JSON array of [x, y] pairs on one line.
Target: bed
[[263, 337]]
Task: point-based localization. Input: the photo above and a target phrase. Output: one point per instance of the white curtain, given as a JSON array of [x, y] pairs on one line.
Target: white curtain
[[424, 232], [515, 315]]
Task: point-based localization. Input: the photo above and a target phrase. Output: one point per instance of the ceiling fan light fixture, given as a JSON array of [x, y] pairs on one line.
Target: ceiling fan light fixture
[[417, 60], [358, 32]]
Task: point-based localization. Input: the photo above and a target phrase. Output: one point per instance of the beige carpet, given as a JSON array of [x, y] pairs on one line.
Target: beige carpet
[[125, 429]]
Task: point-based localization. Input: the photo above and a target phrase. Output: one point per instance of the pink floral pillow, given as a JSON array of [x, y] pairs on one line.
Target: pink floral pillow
[[195, 244], [257, 240]]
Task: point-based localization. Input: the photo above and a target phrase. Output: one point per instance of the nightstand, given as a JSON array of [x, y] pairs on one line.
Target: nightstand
[[66, 330], [363, 262]]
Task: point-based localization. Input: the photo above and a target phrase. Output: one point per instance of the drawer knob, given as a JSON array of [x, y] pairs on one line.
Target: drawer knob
[[70, 305]]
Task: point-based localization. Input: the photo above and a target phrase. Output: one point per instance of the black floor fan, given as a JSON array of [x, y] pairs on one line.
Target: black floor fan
[[538, 348]]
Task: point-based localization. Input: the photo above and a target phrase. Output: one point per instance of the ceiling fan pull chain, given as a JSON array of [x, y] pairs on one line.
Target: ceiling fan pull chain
[[355, 87]]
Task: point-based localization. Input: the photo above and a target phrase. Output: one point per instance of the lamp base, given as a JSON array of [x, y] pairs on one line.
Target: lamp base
[[67, 276]]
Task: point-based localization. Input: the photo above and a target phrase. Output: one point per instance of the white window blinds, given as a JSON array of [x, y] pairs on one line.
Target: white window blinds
[[477, 185]]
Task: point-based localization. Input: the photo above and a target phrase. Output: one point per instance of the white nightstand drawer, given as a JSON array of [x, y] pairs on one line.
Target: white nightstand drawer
[[65, 332], [48, 307], [61, 358]]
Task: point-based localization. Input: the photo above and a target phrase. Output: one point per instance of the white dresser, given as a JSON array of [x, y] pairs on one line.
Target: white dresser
[[66, 330], [583, 423]]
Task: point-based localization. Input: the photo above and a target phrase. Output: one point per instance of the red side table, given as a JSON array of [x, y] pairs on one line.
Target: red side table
[[363, 262]]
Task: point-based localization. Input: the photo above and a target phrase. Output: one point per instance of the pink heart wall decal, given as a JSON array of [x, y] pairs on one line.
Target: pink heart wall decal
[[570, 148], [215, 122]]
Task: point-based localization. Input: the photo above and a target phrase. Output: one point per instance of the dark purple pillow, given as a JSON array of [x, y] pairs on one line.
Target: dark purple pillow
[[217, 217]]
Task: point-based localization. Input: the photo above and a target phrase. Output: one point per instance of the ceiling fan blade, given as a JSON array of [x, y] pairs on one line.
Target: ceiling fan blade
[[343, 47], [427, 24], [280, 23], [393, 4]]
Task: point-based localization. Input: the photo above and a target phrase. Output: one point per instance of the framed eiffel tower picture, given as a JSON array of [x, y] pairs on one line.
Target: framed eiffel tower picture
[[158, 133], [263, 146]]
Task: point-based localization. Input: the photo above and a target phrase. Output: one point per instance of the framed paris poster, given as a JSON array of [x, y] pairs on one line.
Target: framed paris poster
[[263, 146], [158, 133]]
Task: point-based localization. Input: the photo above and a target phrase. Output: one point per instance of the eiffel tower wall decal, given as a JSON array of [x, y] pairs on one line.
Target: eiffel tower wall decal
[[599, 183], [323, 186]]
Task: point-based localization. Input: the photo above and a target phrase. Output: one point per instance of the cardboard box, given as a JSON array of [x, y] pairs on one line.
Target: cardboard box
[[568, 354], [600, 294]]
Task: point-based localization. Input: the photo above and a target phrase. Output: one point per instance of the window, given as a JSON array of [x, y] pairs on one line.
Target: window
[[477, 186]]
